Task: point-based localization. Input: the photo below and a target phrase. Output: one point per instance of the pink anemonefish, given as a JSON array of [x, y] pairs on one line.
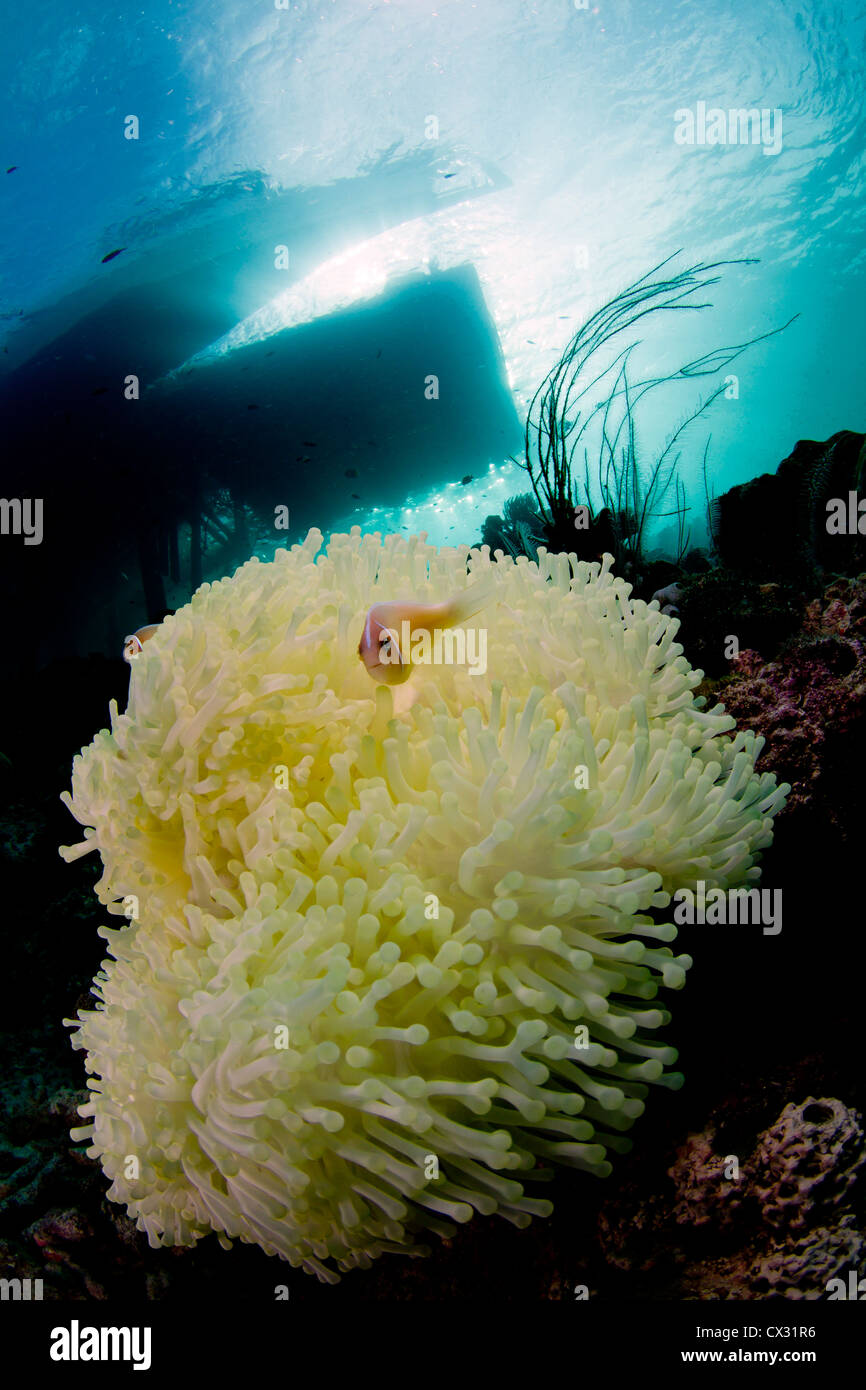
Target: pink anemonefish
[[379, 647], [133, 643]]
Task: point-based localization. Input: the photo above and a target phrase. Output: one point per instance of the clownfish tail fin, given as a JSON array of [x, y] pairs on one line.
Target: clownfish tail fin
[[471, 601]]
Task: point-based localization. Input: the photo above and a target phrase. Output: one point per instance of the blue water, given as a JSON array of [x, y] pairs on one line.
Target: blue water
[[554, 176]]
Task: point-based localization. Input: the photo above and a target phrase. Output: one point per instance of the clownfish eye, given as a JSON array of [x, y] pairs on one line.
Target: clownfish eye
[[389, 650]]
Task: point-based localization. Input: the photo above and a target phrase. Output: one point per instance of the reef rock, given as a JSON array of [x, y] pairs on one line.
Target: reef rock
[[809, 705], [779, 1221], [807, 1161], [772, 525]]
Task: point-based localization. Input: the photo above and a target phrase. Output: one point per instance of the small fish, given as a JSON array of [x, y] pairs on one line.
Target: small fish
[[468, 479], [133, 643], [309, 443], [379, 353], [100, 391], [356, 497], [12, 168], [111, 255], [351, 473], [252, 407], [379, 647]]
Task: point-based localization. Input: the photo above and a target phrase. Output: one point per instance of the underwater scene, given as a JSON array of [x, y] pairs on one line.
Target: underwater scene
[[433, 559]]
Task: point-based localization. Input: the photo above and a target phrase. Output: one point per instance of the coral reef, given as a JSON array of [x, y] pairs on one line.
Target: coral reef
[[721, 603], [809, 705], [807, 1162], [342, 1003], [519, 531], [41, 1187], [775, 526], [581, 450], [668, 599], [781, 1224]]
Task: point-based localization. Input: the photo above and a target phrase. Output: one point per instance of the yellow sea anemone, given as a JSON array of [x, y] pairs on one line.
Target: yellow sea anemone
[[375, 965]]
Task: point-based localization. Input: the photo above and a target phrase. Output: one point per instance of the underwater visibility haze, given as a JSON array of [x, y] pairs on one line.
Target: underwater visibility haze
[[434, 582]]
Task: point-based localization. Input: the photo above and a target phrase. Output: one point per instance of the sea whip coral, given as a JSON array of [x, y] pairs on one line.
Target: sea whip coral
[[377, 965]]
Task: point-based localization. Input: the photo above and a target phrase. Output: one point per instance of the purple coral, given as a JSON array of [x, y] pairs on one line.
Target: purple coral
[[705, 1192], [802, 1269], [807, 1160], [784, 1227], [668, 599], [810, 701]]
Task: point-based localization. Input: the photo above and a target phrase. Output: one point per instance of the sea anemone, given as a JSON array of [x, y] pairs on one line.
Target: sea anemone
[[379, 970]]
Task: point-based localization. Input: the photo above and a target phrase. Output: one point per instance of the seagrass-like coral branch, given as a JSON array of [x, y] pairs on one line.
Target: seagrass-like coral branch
[[561, 426]]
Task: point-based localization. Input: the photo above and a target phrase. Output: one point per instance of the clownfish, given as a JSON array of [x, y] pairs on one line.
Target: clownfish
[[383, 647], [133, 643]]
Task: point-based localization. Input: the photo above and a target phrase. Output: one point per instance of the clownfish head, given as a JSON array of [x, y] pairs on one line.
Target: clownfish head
[[379, 649], [133, 643]]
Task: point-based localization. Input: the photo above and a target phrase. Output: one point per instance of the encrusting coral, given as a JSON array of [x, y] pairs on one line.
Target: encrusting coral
[[808, 704], [783, 1223], [378, 965]]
